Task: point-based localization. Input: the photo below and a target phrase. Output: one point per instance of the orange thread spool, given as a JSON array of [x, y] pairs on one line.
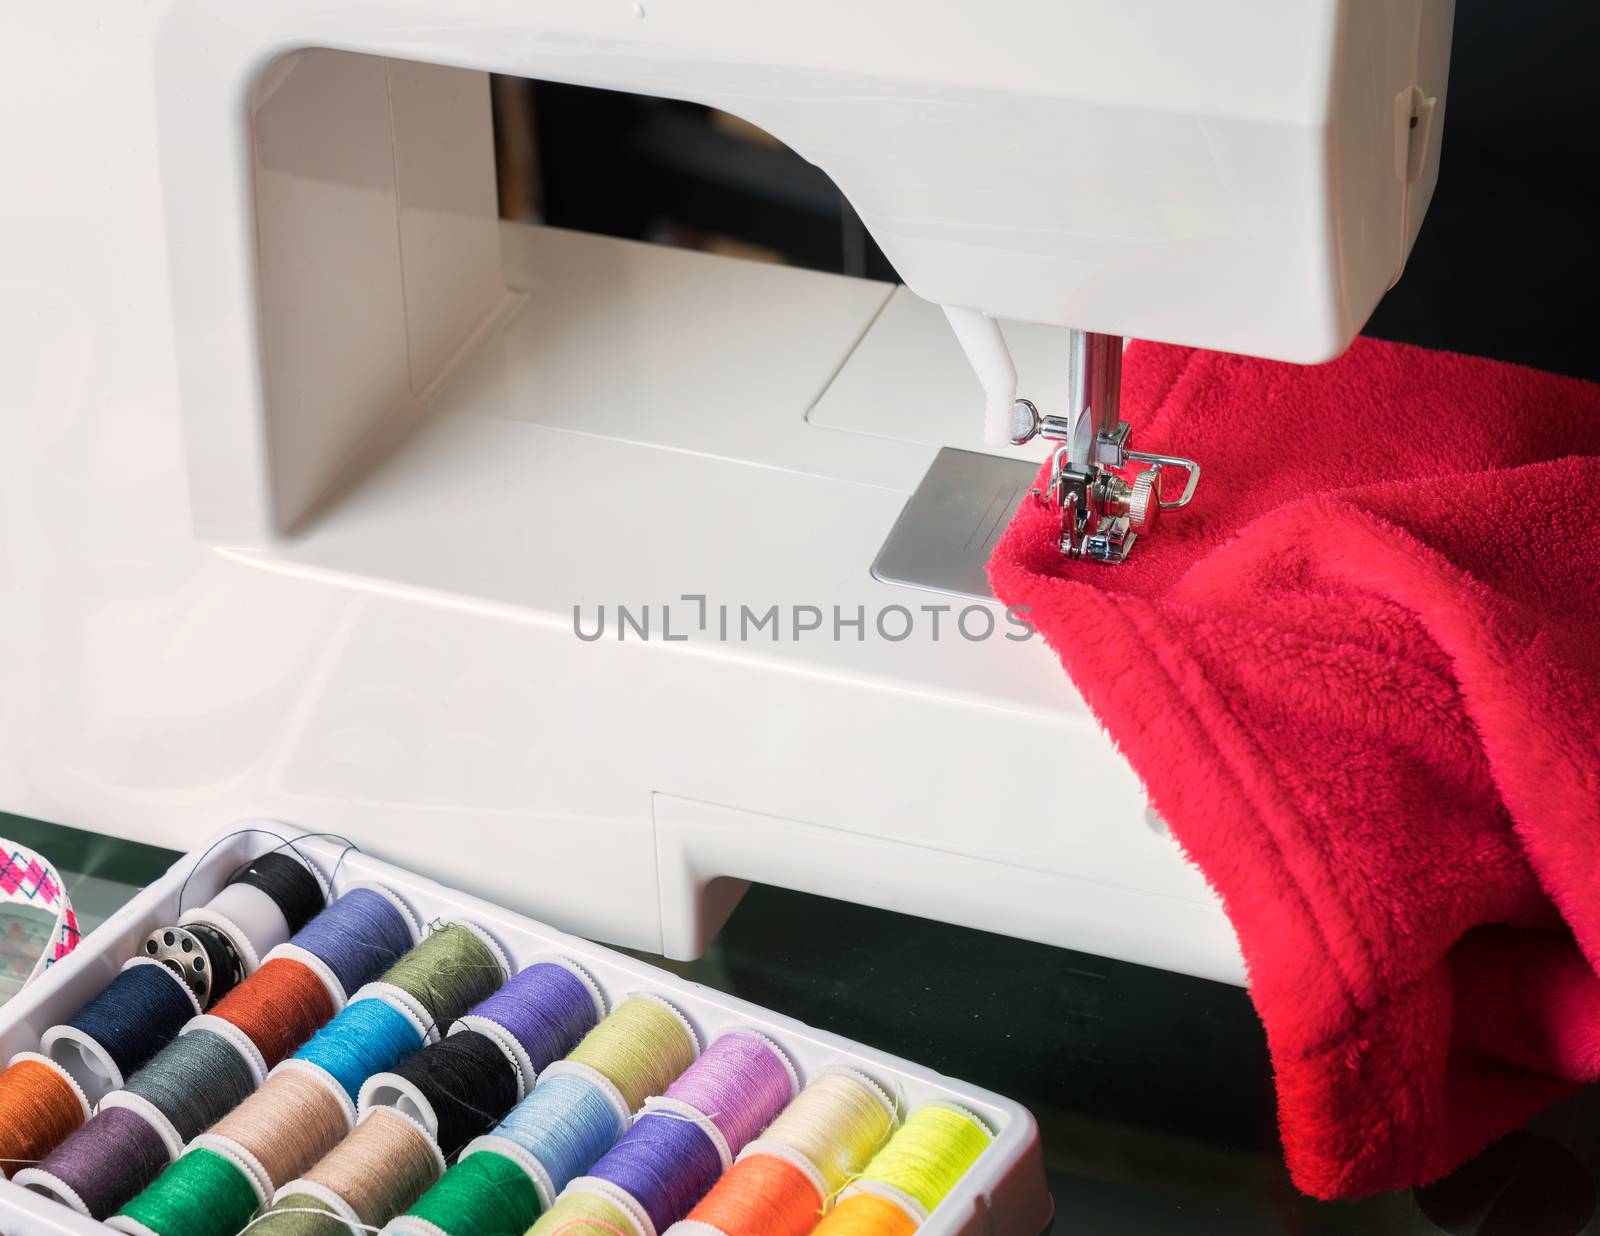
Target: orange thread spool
[[38, 1110], [866, 1214], [761, 1196], [280, 1006]]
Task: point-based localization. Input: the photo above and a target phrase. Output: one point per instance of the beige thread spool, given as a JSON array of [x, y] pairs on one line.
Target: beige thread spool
[[292, 1121], [385, 1165]]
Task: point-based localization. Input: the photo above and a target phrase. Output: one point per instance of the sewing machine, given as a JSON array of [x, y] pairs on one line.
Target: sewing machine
[[315, 475]]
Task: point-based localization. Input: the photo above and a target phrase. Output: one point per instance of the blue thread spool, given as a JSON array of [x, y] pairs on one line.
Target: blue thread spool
[[117, 1032], [369, 1036]]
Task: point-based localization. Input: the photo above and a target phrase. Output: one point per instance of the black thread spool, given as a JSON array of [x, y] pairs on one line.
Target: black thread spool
[[458, 1088]]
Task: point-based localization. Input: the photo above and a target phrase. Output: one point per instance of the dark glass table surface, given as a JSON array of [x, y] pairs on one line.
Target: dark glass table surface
[[1153, 1091]]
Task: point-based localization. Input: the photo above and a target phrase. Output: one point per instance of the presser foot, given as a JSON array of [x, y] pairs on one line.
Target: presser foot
[[1108, 495]]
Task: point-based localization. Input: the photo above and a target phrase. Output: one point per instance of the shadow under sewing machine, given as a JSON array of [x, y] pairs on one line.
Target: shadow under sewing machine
[[419, 443]]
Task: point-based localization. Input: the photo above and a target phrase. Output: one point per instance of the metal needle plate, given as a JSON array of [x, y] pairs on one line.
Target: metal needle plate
[[949, 526]]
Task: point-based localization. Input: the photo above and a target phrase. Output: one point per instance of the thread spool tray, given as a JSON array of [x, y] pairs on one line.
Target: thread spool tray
[[1004, 1193]]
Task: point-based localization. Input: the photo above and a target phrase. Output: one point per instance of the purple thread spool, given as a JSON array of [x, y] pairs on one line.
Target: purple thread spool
[[358, 937], [110, 1159], [546, 1008], [666, 1163], [740, 1084]]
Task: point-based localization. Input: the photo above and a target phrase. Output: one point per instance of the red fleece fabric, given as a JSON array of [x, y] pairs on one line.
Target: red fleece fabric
[[1360, 679]]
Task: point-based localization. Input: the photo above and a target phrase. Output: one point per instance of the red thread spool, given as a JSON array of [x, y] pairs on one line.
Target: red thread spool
[[280, 1006], [38, 1110], [761, 1196]]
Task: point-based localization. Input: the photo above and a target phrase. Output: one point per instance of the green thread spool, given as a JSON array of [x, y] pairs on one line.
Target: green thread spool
[[300, 1214], [203, 1194], [930, 1154], [485, 1194], [581, 1213], [448, 973], [641, 1048]]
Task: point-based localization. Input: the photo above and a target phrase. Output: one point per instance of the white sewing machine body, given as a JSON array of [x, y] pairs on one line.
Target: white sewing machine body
[[307, 459]]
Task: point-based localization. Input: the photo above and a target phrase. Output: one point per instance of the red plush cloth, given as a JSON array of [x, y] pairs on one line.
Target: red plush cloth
[[1360, 678]]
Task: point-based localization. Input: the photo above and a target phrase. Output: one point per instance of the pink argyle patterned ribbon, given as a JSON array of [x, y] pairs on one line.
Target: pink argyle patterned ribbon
[[28, 879]]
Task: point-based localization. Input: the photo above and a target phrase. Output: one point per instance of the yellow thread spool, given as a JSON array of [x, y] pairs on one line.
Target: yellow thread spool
[[933, 1150], [578, 1213], [641, 1047]]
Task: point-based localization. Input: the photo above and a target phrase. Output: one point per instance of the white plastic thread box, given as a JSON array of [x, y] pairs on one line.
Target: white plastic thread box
[[1003, 1195]]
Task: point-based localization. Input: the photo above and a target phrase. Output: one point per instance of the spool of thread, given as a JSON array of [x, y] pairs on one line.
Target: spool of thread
[[639, 1049], [927, 1157], [278, 1007], [282, 1129], [453, 969], [485, 1194], [543, 1011], [836, 1124], [666, 1162], [109, 1160], [135, 1016], [359, 936], [288, 881], [457, 1088], [381, 1168], [582, 1212], [195, 1081], [741, 1083], [866, 1214], [40, 1105], [566, 1124], [369, 1036], [205, 1193], [762, 1195]]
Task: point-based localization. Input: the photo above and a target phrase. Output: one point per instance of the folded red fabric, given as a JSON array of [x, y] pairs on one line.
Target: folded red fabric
[[1360, 678]]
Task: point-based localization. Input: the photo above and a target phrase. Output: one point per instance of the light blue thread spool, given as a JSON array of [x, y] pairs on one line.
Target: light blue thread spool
[[566, 1123]]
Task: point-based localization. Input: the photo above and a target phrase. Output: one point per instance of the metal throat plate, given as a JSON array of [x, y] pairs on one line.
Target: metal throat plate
[[949, 526]]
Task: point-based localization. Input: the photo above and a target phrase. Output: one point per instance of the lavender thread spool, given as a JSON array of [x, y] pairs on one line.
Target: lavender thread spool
[[666, 1163], [358, 936], [545, 1009], [740, 1084]]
